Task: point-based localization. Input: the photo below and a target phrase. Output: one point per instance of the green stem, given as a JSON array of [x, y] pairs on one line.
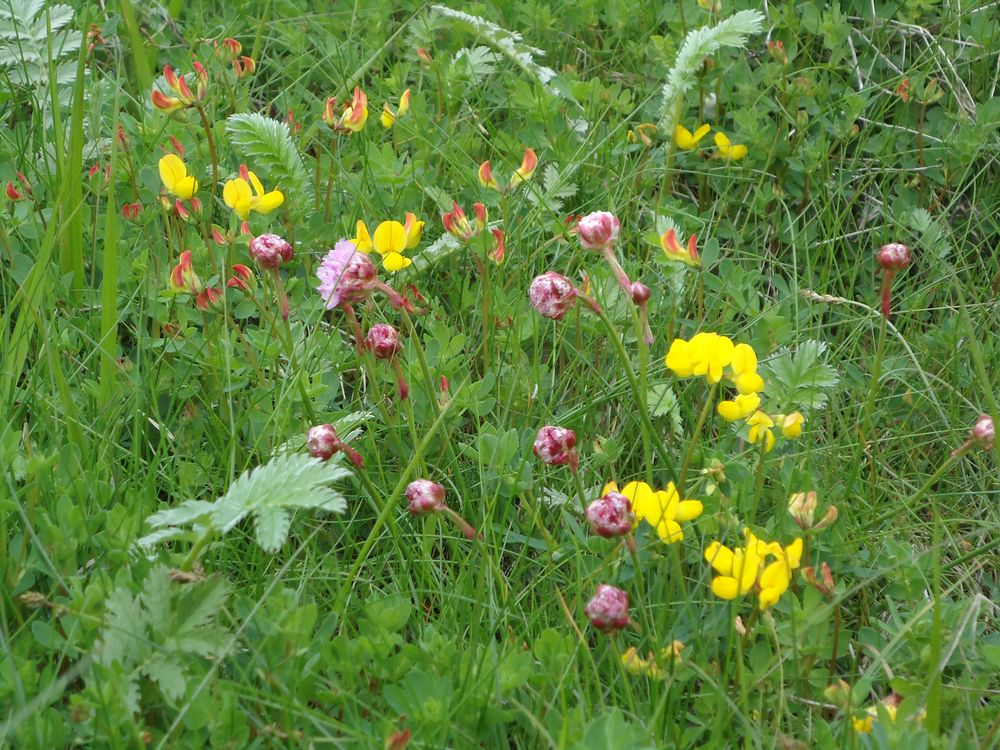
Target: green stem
[[702, 416], [640, 397]]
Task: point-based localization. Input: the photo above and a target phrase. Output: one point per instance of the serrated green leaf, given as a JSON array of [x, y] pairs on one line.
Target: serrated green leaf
[[166, 671], [800, 379]]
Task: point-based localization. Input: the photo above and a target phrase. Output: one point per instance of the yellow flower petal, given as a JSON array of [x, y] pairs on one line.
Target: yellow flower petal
[[722, 140], [243, 206], [185, 187], [266, 203], [413, 236], [725, 587], [793, 552], [387, 118], [749, 382], [231, 192], [679, 358], [669, 531], [172, 170], [393, 262], [729, 411], [737, 152], [701, 132], [363, 240], [744, 359], [720, 557], [389, 237], [688, 510], [258, 188]]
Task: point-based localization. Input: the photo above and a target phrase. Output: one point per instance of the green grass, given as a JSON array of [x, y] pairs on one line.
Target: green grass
[[120, 398]]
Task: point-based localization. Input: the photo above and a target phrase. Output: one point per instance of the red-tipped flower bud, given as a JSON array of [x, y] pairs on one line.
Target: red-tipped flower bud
[[552, 294], [983, 434], [611, 515], [640, 293], [383, 341], [598, 230], [893, 257], [608, 610], [556, 446], [270, 250], [322, 442], [424, 496]]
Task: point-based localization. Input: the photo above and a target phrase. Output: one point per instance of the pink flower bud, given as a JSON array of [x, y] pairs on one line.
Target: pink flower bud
[[424, 496], [608, 610], [893, 257], [983, 433], [346, 275], [598, 230], [383, 341], [322, 441], [270, 250], [640, 293], [552, 294], [556, 446], [611, 515]]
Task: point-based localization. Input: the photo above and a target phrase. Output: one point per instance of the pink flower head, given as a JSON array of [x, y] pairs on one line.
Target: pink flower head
[[270, 250], [556, 446], [608, 610], [322, 442], [346, 275], [611, 515], [983, 433], [552, 294], [598, 230], [893, 257], [383, 341], [424, 496]]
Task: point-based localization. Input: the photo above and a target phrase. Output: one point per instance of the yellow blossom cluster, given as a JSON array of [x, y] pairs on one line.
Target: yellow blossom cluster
[[657, 667], [716, 357], [762, 567], [662, 509]]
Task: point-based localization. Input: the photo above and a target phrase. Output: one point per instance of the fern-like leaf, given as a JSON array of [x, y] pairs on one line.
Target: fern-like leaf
[[699, 44], [267, 146]]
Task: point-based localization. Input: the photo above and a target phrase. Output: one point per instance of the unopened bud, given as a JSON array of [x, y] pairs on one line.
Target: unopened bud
[[802, 506], [640, 293], [893, 257], [598, 230], [383, 341], [424, 496], [608, 609], [270, 250], [983, 434]]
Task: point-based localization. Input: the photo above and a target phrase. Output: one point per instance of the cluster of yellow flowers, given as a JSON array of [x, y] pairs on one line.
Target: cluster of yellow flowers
[[661, 509], [728, 150], [390, 240], [717, 357], [746, 569], [669, 658]]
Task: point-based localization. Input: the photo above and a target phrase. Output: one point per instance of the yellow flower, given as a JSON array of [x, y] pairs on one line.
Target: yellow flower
[[744, 370], [242, 198], [389, 117], [679, 358], [710, 353], [747, 568], [687, 140], [727, 149], [864, 724], [760, 429], [662, 509], [739, 408], [390, 240], [675, 251], [175, 178], [790, 424]]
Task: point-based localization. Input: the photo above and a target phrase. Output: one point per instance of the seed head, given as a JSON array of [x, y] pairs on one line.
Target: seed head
[[556, 446], [611, 515], [552, 294], [608, 610]]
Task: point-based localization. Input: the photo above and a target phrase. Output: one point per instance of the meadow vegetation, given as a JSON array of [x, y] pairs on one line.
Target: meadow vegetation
[[525, 373]]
